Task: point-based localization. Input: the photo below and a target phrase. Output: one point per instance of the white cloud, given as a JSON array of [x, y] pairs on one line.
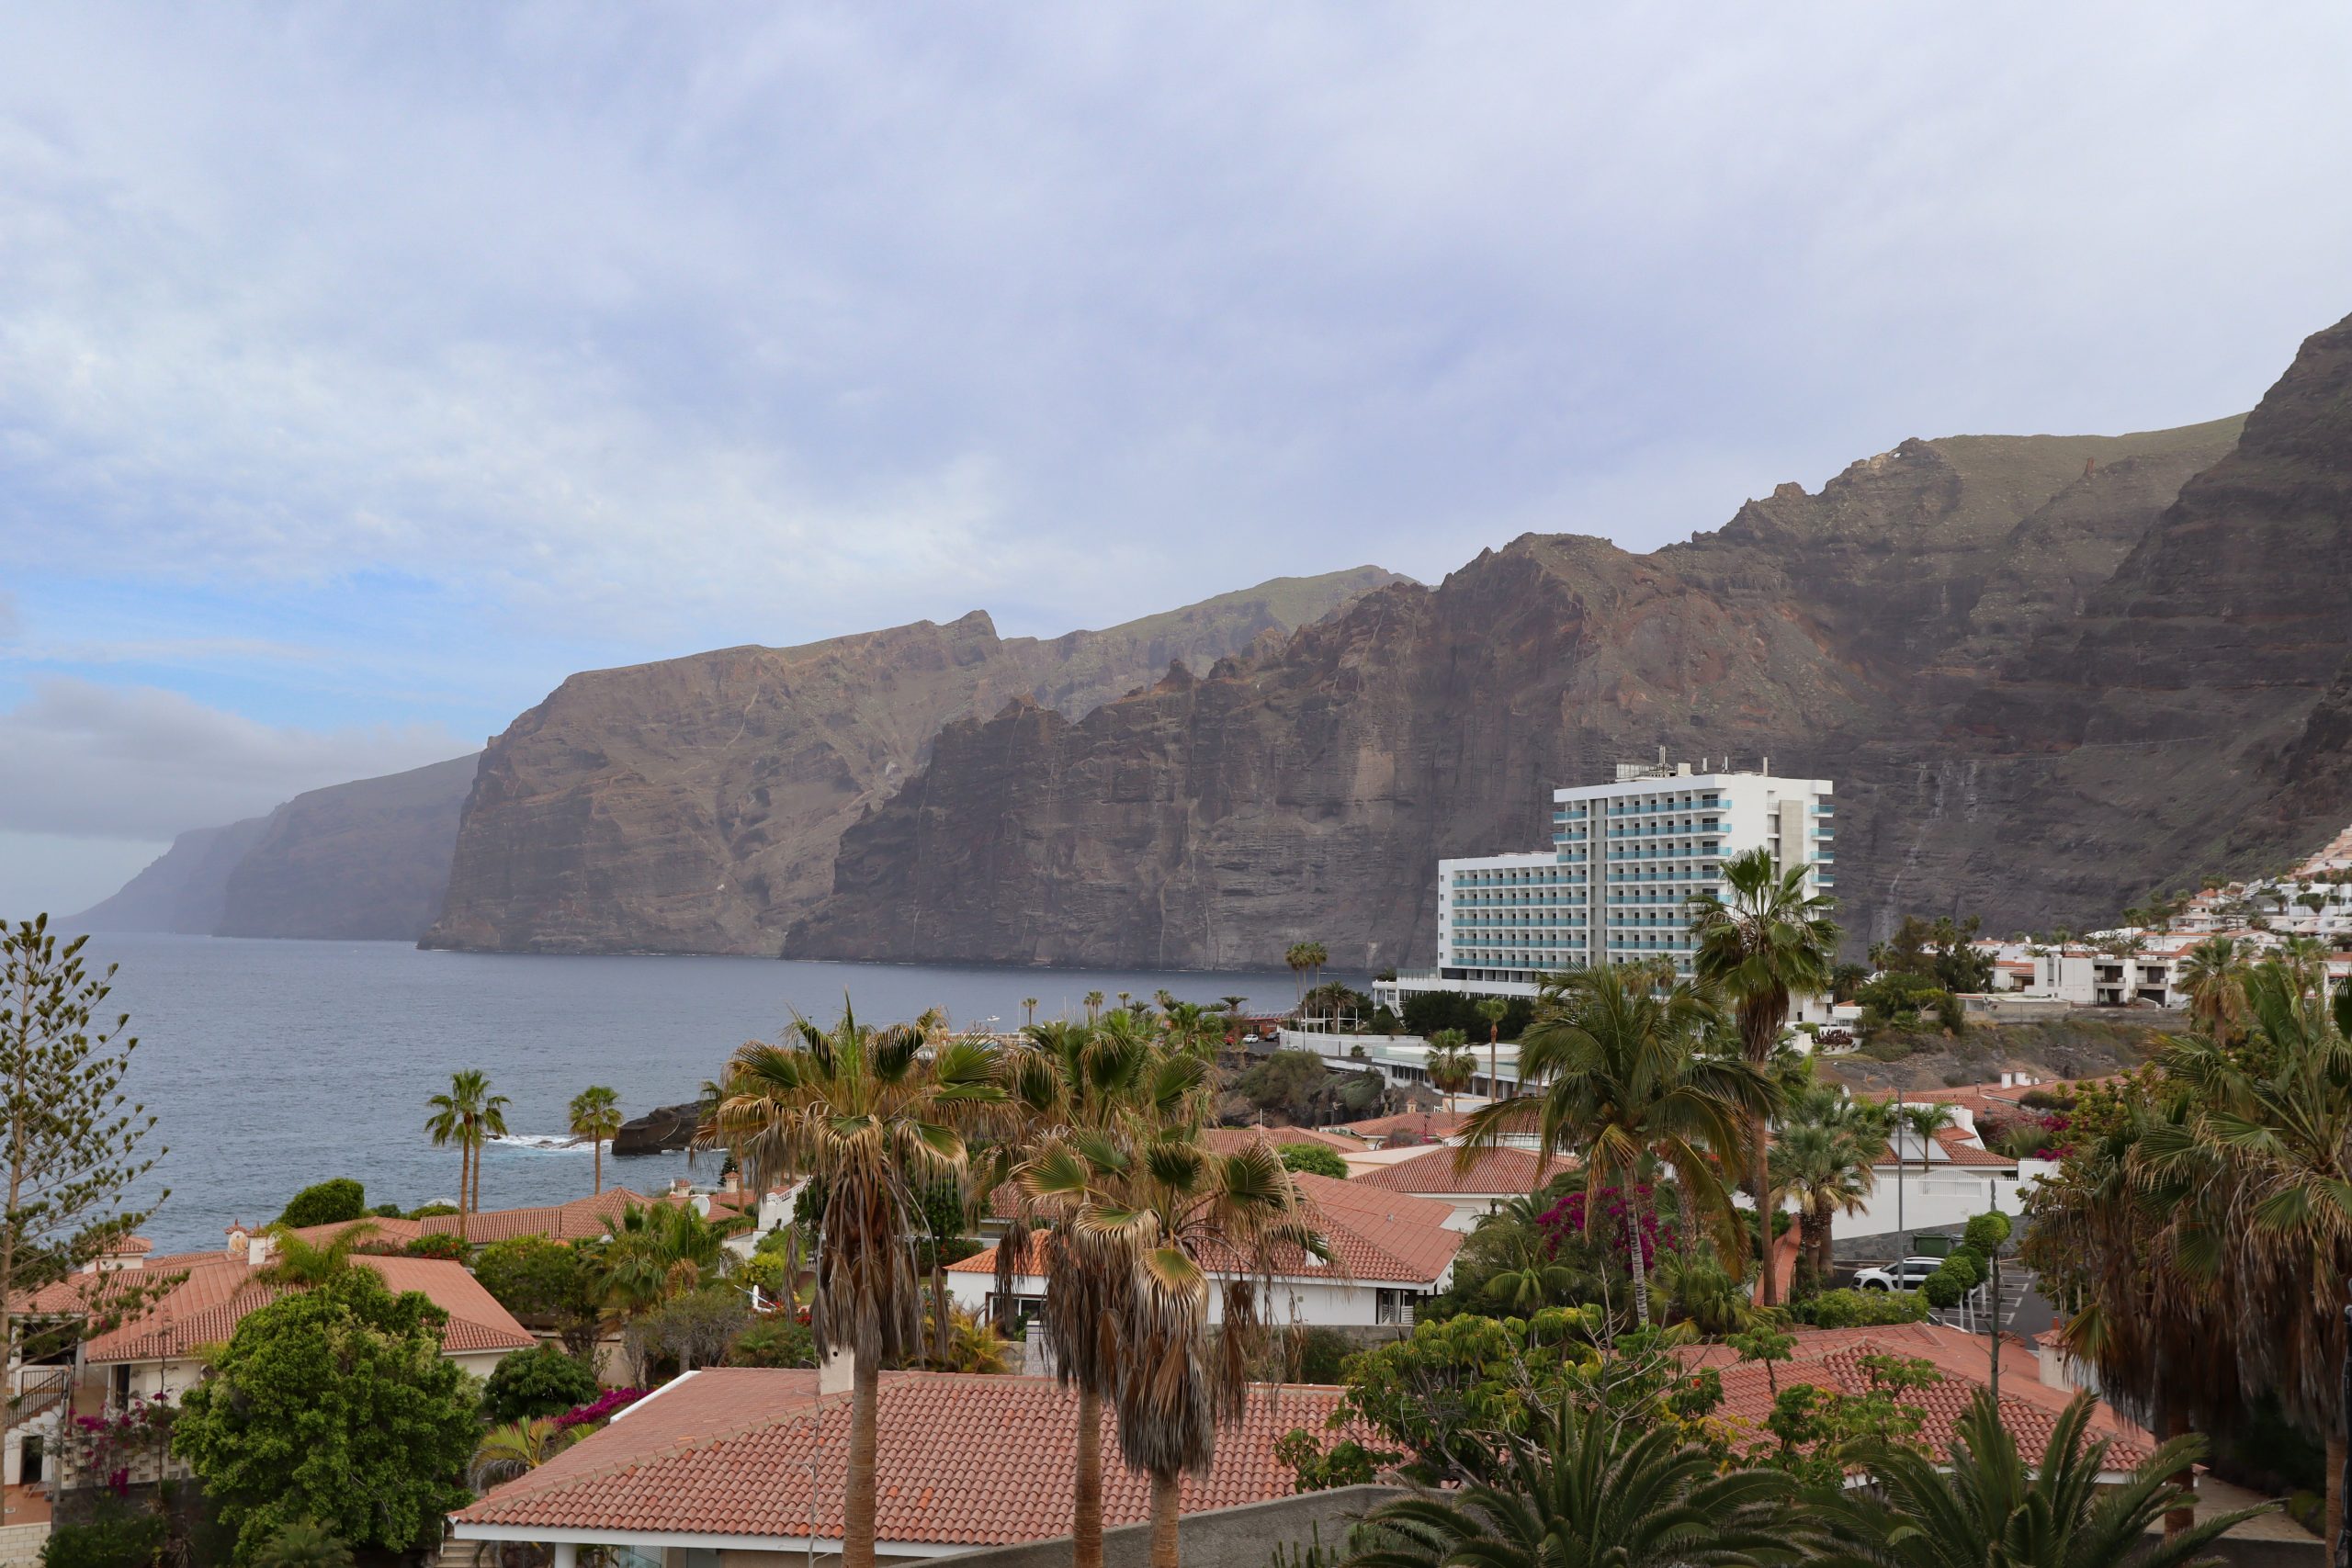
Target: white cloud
[[84, 760]]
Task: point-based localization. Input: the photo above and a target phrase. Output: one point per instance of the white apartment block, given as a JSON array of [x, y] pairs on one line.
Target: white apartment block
[[1626, 856]]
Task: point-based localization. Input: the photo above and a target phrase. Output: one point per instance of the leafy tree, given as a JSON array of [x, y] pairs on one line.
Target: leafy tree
[[869, 1111], [325, 1204], [1817, 1432], [1859, 1309], [779, 1339], [686, 1331], [438, 1245], [1317, 1468], [334, 1405], [1985, 1505], [1426, 1012], [70, 1139], [120, 1541], [542, 1381], [547, 1284], [1315, 1159], [595, 1113], [1766, 942]]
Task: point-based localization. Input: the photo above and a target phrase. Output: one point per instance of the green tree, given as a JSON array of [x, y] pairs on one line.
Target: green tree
[[325, 1204], [1761, 946], [1298, 958], [1493, 1011], [541, 1381], [1824, 1159], [596, 1116], [1984, 1505], [655, 1253], [549, 1284], [2213, 974], [866, 1111], [302, 1543], [1315, 1159], [1449, 1065], [467, 1116], [1625, 1088], [70, 1138], [303, 1265], [1595, 1489], [334, 1405]]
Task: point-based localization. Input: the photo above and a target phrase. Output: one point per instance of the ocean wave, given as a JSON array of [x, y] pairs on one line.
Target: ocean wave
[[545, 1143]]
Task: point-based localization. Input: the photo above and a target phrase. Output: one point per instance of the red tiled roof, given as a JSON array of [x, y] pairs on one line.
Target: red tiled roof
[[1372, 1236], [1233, 1140], [1832, 1359], [206, 1307], [963, 1461], [1503, 1170]]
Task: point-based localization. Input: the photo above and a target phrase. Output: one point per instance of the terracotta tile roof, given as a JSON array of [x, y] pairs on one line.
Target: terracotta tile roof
[[582, 1217], [206, 1307], [1233, 1140], [1375, 1236], [1429, 1126], [1832, 1359], [1504, 1170], [963, 1461]]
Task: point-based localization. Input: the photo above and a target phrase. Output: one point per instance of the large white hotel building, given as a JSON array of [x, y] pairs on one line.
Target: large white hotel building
[[1625, 856]]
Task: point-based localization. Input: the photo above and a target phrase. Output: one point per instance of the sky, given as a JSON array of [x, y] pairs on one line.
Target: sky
[[365, 371]]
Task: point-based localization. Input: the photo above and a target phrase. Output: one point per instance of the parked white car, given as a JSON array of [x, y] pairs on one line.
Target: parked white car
[[1907, 1275]]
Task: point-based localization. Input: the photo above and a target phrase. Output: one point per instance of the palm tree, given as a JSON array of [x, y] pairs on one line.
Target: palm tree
[[654, 1253], [1768, 941], [1067, 1086], [869, 1113], [2270, 1134], [519, 1448], [1983, 1505], [1179, 1216], [1823, 1159], [1596, 1490], [300, 1264], [1028, 1011], [596, 1115], [1923, 1121], [1093, 1005], [1494, 1010], [1625, 1088], [1298, 957], [1449, 1065], [2213, 974], [468, 1116]]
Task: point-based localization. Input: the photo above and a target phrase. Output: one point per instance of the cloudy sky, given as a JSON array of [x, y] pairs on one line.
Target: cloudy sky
[[365, 371]]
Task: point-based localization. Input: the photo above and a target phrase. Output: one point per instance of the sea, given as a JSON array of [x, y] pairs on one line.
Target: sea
[[274, 1063]]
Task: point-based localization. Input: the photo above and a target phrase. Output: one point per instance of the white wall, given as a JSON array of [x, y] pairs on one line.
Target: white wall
[[1316, 1303]]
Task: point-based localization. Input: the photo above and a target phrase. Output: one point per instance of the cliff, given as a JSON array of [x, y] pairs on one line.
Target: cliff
[[365, 860], [2048, 674], [695, 804], [184, 889]]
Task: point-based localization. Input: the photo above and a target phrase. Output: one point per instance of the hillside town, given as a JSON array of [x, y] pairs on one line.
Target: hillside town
[[1216, 1283]]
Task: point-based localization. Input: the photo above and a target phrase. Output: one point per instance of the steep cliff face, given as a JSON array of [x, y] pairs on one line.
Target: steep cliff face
[[363, 861], [2048, 674], [694, 806], [183, 890]]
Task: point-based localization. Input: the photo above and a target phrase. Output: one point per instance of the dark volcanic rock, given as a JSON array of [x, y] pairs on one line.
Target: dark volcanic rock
[[2048, 674], [694, 806], [660, 1132]]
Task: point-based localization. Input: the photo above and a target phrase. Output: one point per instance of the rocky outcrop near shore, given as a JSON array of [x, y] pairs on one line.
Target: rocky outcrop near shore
[[695, 805], [663, 1130], [2047, 673]]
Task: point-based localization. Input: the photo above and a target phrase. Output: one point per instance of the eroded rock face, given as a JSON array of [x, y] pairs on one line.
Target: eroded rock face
[[360, 861], [694, 806], [2048, 674], [182, 890]]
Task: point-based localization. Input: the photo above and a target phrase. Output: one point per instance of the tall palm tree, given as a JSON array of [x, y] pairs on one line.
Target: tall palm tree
[[1984, 1507], [2275, 1123], [1067, 1084], [1093, 1005], [2213, 974], [1625, 1088], [1823, 1159], [1028, 1011], [869, 1113], [596, 1116], [1596, 1490], [1765, 942], [1188, 1222], [1494, 1010], [1298, 957], [468, 1116], [1450, 1065]]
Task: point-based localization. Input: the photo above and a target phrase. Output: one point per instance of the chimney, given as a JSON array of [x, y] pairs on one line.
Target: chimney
[[731, 1182], [241, 1239], [679, 1186], [837, 1371]]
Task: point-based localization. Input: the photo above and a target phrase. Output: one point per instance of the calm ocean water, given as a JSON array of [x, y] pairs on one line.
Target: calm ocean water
[[276, 1063]]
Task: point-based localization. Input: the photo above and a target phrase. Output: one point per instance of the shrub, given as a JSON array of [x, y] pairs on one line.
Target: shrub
[[133, 1541], [1942, 1290], [441, 1245], [1316, 1159], [604, 1406], [325, 1204], [430, 1210], [777, 1340], [541, 1382], [1863, 1309], [302, 1543], [1987, 1231], [386, 1210]]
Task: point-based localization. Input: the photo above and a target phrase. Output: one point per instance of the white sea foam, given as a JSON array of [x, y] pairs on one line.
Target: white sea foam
[[546, 1143]]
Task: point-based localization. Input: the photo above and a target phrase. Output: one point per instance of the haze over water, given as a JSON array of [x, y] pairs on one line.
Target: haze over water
[[277, 1064]]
